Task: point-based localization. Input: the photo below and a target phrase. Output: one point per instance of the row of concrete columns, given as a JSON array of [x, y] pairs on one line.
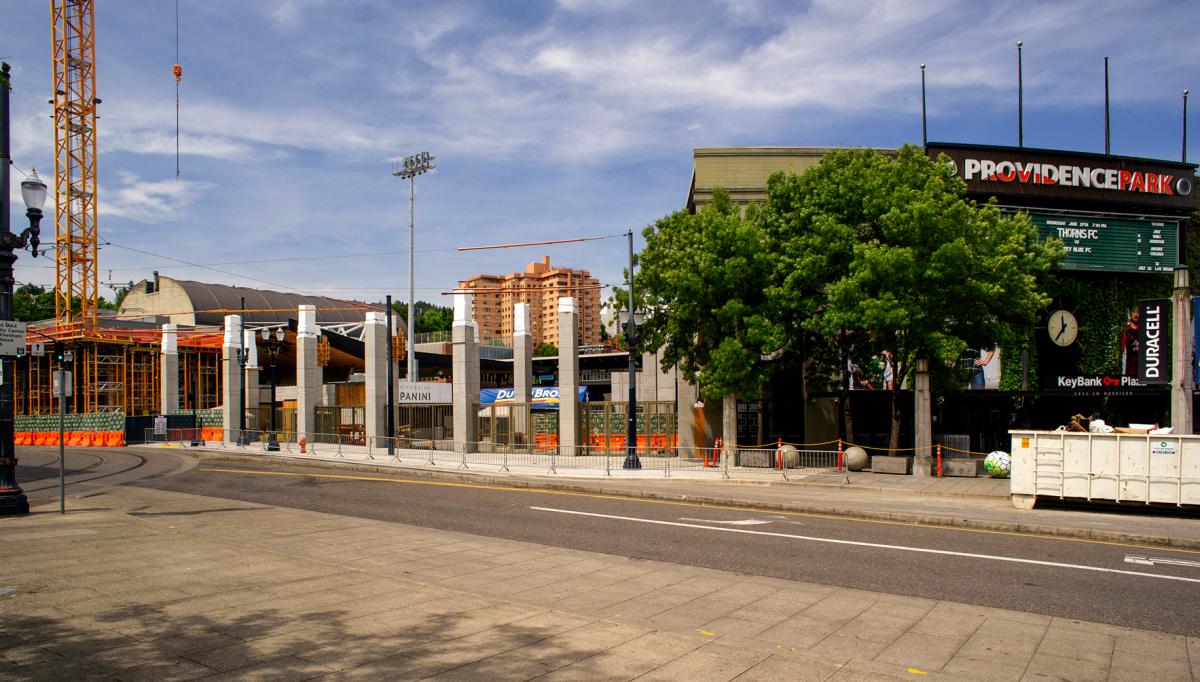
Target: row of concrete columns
[[240, 389]]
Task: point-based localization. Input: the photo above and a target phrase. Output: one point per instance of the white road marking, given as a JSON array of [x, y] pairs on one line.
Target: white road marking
[[743, 522], [856, 543], [1159, 560]]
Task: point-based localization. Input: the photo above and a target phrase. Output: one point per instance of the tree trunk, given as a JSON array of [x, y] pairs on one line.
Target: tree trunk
[[894, 438]]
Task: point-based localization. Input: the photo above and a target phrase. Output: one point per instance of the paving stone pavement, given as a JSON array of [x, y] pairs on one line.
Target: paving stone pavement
[[154, 585]]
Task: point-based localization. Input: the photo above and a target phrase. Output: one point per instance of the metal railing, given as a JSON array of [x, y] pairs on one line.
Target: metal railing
[[576, 460]]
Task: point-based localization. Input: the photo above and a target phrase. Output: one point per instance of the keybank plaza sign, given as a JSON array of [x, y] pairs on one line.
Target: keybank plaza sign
[[1022, 172]]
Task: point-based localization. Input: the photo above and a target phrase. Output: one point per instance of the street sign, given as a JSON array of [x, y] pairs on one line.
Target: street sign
[[12, 337], [37, 348], [62, 380]]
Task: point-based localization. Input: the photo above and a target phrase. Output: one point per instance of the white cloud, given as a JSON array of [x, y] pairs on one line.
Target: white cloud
[[287, 14], [144, 141], [150, 201]]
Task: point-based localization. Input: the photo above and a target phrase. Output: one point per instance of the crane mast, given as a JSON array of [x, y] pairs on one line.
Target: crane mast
[[75, 197]]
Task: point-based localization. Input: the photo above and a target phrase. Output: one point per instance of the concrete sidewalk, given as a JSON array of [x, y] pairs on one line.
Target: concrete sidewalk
[[144, 584], [980, 503]]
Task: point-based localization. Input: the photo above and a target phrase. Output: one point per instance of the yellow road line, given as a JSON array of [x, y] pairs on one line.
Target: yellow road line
[[599, 496]]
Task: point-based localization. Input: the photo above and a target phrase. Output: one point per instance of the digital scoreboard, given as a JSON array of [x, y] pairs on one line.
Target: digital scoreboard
[[1105, 244]]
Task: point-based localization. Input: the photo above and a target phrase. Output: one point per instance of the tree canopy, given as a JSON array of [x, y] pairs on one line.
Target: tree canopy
[[863, 253], [703, 286]]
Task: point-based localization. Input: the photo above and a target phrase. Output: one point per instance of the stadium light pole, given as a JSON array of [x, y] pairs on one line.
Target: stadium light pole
[[411, 167]]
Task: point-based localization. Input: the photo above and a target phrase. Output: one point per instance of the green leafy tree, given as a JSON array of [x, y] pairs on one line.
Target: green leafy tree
[[32, 303], [885, 254], [545, 350], [703, 286], [429, 317]]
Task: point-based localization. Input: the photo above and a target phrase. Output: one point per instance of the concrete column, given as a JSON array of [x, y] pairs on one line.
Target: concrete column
[[232, 390], [923, 423], [252, 395], [308, 372], [465, 366], [376, 350], [1182, 380], [522, 370], [568, 377], [522, 354], [169, 370]]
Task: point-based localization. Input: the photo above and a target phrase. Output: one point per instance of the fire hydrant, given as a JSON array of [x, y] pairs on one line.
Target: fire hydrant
[[303, 444]]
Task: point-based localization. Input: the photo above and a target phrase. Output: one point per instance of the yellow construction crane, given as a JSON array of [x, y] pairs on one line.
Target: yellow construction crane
[[75, 244]]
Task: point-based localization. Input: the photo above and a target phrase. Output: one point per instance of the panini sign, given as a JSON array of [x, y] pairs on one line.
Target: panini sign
[[1015, 173]]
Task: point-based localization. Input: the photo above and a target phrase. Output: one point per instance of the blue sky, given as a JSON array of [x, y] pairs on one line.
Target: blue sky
[[549, 119]]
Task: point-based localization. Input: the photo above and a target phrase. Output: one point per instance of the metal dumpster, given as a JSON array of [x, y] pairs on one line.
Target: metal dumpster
[[1109, 467]]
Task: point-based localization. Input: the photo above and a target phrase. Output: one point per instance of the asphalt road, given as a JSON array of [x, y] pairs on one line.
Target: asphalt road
[[1139, 587]]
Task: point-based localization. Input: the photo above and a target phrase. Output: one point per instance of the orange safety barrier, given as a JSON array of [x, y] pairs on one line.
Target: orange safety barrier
[[112, 439]]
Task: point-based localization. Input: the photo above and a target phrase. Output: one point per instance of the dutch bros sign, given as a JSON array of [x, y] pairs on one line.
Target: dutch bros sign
[[543, 396]]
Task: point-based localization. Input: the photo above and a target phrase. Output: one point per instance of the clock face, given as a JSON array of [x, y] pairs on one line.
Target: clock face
[[1062, 328]]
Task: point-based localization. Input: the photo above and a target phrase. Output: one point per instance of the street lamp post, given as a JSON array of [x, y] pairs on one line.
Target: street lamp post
[[273, 343], [631, 339], [33, 192], [411, 167], [241, 357], [196, 401]]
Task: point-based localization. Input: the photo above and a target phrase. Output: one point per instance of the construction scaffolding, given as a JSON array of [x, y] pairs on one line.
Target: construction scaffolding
[[116, 370]]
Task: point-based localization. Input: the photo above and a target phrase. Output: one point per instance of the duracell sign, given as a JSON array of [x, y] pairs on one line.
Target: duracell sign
[[1013, 173]]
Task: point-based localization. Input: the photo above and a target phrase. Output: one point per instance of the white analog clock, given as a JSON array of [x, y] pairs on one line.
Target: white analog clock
[[1062, 327]]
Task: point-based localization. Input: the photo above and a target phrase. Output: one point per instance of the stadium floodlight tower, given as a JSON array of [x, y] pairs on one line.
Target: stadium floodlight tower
[[411, 167]]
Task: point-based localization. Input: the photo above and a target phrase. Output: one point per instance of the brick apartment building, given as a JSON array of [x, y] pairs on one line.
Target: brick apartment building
[[540, 285]]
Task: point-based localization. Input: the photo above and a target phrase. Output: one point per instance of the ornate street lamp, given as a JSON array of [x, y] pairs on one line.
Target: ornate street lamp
[[631, 340], [273, 344], [33, 192]]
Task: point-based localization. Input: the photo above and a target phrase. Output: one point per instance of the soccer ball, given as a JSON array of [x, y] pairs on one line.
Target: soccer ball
[[997, 464]]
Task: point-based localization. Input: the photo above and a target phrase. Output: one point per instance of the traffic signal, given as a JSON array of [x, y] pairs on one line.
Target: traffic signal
[[60, 350]]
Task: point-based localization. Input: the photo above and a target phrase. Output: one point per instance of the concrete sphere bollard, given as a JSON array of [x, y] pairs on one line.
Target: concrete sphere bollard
[[855, 458]]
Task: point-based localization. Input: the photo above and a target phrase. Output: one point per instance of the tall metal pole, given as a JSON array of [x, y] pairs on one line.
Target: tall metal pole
[[12, 498], [411, 167], [631, 457], [1020, 99], [924, 130], [62, 451], [196, 400], [412, 301], [1185, 94], [1107, 130], [391, 384], [241, 439]]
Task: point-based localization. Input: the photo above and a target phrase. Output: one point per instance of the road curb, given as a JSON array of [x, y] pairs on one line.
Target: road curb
[[935, 520]]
